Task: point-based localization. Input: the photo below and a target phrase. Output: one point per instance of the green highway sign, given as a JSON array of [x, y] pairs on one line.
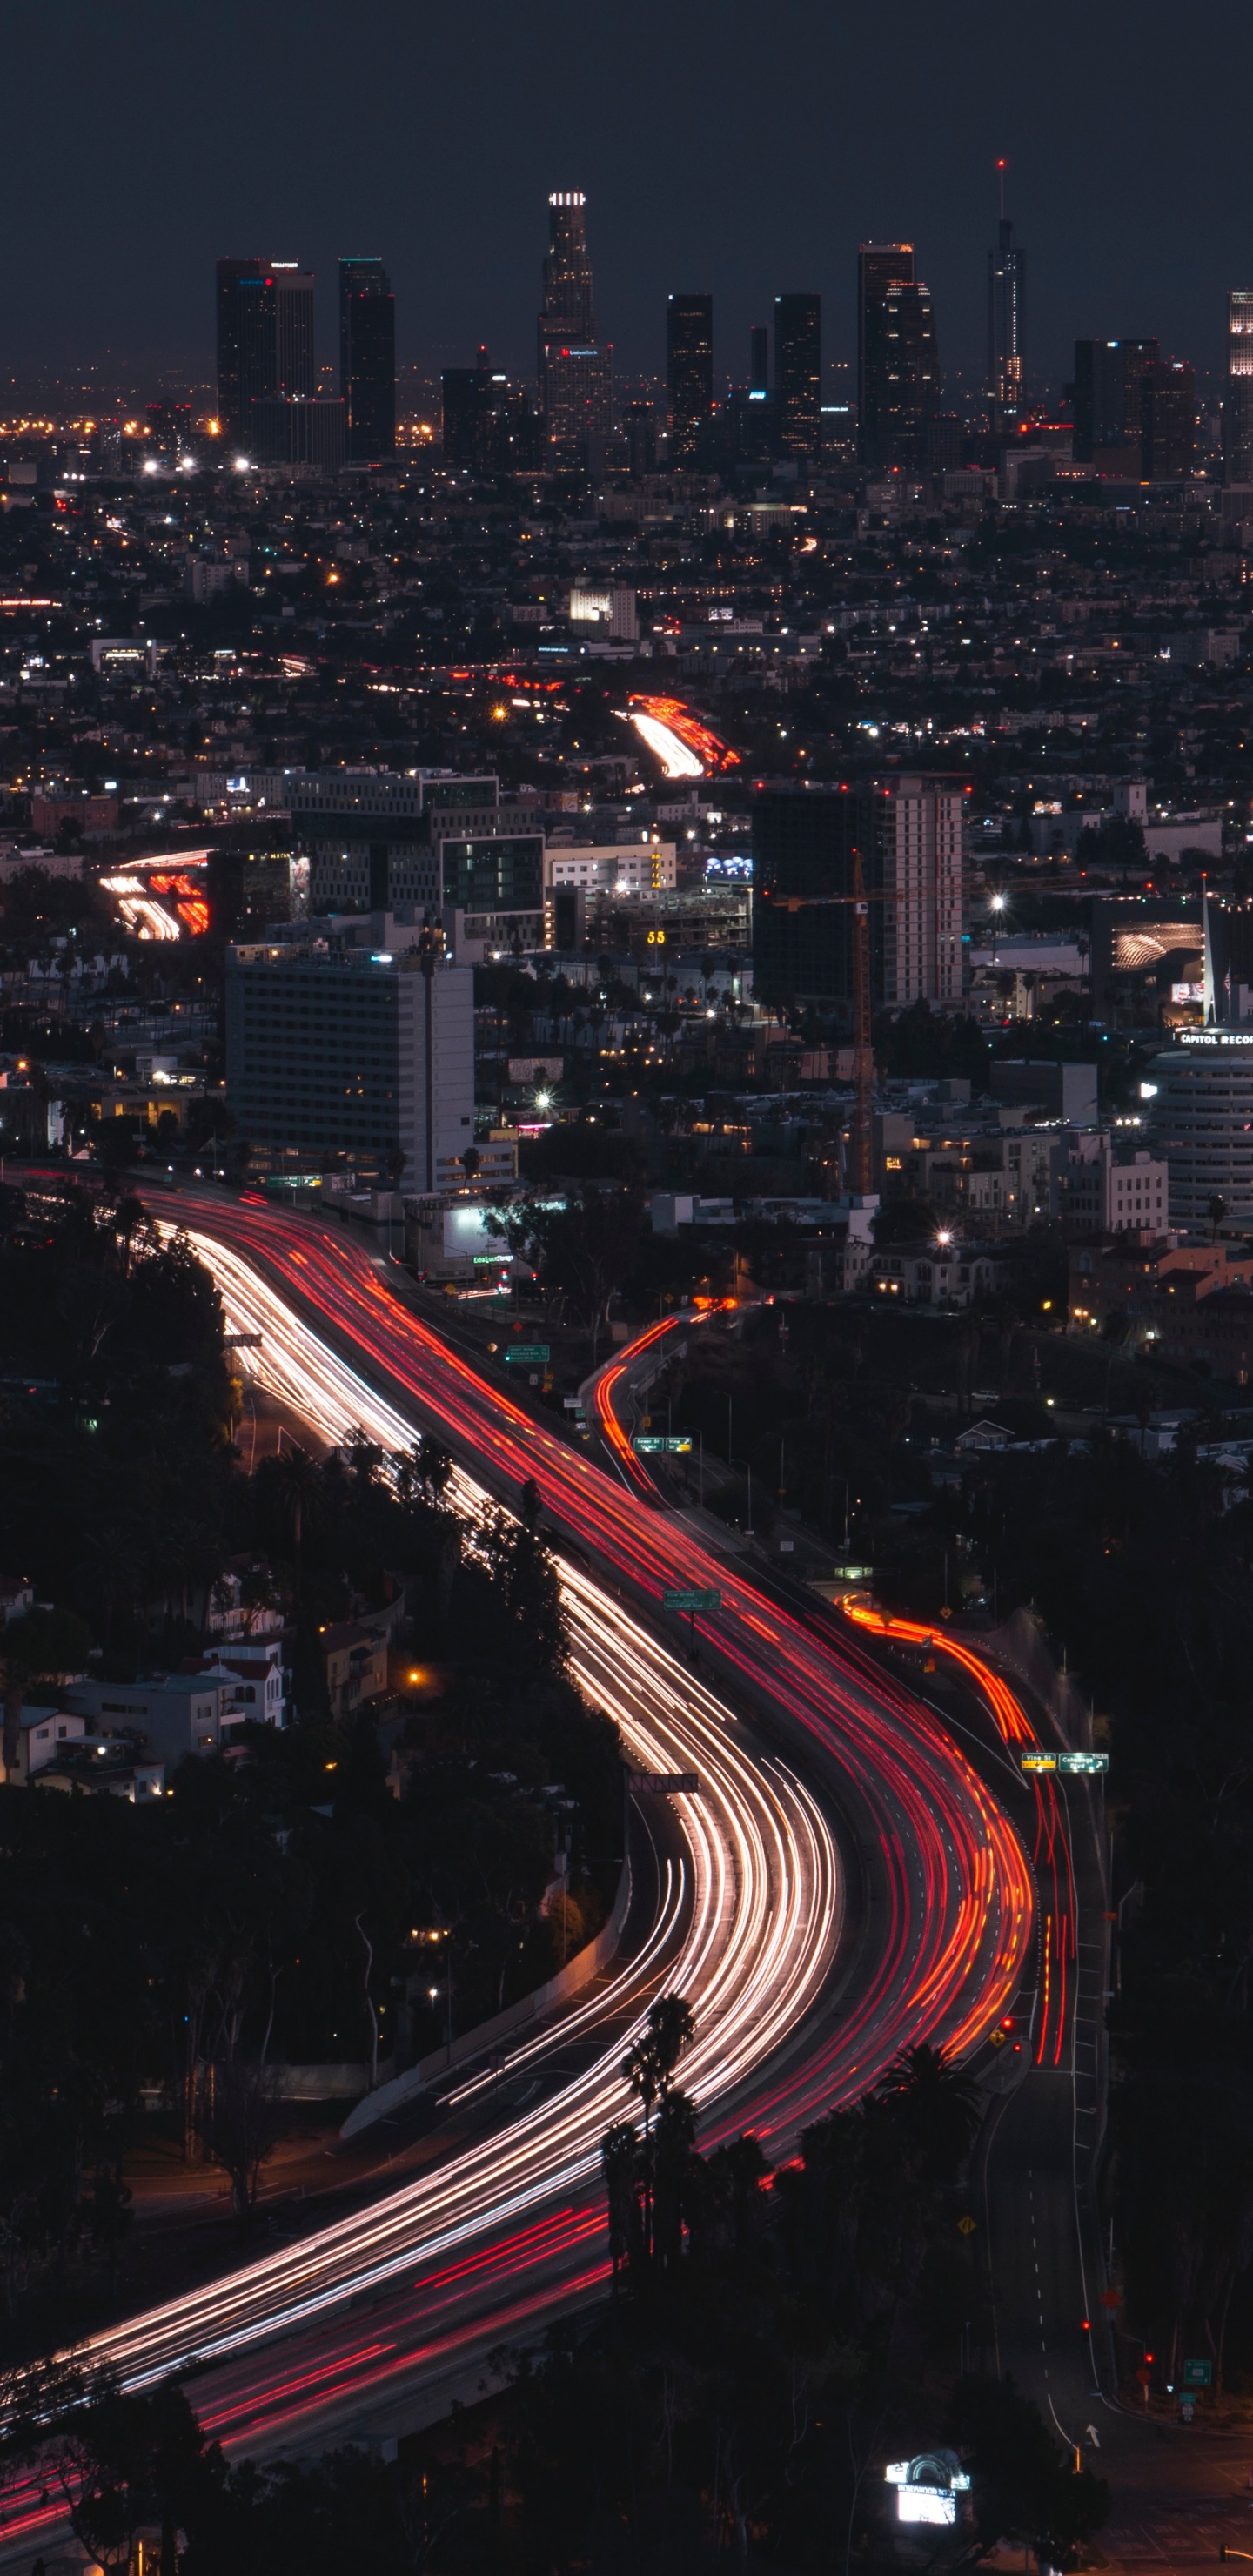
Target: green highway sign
[[1075, 1765], [1198, 2374], [528, 1354], [663, 1784], [677, 1445], [691, 1601]]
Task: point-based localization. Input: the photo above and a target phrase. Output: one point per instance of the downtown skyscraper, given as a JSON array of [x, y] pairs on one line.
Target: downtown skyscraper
[[898, 359], [367, 360], [1238, 389], [575, 372], [267, 375], [798, 373], [1007, 318], [689, 372]]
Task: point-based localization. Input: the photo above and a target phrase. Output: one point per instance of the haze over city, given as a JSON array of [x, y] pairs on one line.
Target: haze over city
[[626, 1290]]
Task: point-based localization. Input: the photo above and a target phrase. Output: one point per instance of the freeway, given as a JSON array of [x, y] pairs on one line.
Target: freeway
[[850, 1886]]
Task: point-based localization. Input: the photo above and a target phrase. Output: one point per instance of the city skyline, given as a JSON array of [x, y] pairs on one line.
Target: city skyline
[[745, 196]]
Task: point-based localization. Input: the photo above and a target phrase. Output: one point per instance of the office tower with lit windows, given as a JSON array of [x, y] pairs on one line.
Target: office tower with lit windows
[[1238, 390], [232, 277], [798, 374], [639, 428], [575, 372], [266, 361], [898, 362], [367, 360], [1007, 284], [689, 372], [1168, 421]]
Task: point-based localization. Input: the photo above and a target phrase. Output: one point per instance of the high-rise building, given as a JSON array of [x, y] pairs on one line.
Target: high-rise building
[[881, 266], [265, 342], [1007, 282], [909, 834], [1202, 1122], [1238, 390], [231, 275], [473, 402], [1168, 412], [1109, 400], [911, 379], [689, 371], [353, 1051], [295, 373], [288, 430], [367, 359], [575, 372], [798, 373], [640, 429], [759, 358]]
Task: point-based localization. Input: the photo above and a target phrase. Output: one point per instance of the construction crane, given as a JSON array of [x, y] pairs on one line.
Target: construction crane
[[863, 1059]]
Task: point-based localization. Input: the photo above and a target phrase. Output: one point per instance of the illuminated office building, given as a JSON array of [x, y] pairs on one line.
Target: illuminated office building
[[798, 373], [575, 372], [689, 371], [1238, 390]]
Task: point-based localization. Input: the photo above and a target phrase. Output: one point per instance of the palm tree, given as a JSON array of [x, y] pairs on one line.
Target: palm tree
[[941, 2106], [649, 2068], [619, 2149], [672, 2028]]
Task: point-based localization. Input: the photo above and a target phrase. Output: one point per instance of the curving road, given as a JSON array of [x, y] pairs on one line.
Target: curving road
[[812, 1950]]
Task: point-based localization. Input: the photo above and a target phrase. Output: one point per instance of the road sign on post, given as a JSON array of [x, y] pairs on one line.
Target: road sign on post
[[691, 1600], [1198, 2374], [663, 1784], [528, 1354], [675, 1445]]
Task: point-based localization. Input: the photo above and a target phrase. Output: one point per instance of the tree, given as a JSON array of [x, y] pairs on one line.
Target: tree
[[584, 1249], [117, 2461], [236, 2122], [1023, 2487], [940, 2107], [526, 1590]]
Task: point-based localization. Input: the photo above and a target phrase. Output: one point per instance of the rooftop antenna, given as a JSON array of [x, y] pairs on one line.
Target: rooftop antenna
[[1001, 168]]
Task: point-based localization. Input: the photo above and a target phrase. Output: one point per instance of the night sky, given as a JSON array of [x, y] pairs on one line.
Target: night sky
[[724, 144]]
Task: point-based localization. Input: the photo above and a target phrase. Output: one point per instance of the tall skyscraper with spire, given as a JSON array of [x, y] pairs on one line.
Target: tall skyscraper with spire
[[1007, 286], [1238, 390], [575, 372]]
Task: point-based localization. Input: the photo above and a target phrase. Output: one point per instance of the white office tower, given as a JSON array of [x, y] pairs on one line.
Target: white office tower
[[919, 824], [353, 1052], [1202, 1122]]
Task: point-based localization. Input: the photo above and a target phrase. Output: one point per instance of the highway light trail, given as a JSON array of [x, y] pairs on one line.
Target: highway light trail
[[763, 1895], [1051, 1852]]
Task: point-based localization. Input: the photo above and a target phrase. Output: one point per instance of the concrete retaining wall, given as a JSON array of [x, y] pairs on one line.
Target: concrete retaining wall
[[578, 1972]]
